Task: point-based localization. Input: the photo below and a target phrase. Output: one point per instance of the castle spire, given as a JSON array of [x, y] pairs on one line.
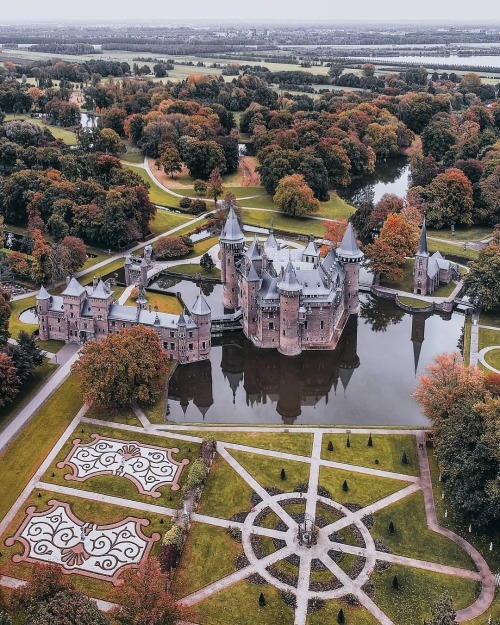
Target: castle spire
[[231, 232], [349, 250], [422, 246]]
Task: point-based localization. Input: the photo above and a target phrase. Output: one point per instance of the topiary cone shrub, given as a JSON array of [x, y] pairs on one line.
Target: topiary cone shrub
[[348, 443], [330, 446], [341, 617], [262, 599], [370, 441], [345, 486]]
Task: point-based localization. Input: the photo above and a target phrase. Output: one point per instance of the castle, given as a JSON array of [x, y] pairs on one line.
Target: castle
[[431, 271], [288, 298]]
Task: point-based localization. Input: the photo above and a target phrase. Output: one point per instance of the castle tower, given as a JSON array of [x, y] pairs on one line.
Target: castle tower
[[73, 297], [42, 310], [201, 313], [289, 289], [128, 276], [101, 299], [421, 264], [351, 257], [232, 243], [181, 328]]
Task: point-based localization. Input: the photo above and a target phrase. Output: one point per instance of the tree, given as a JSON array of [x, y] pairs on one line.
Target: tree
[[25, 355], [124, 367], [481, 283], [330, 446], [348, 441], [283, 474], [58, 227], [442, 612], [262, 600], [41, 265], [206, 263], [4, 315], [315, 176], [401, 234], [202, 157], [294, 197], [170, 159], [345, 486], [370, 441], [143, 600], [384, 261], [76, 253], [170, 247], [341, 617], [69, 607], [5, 618], [19, 265], [9, 380], [395, 582], [449, 199], [383, 139], [490, 194], [404, 457], [214, 187], [392, 529], [168, 558]]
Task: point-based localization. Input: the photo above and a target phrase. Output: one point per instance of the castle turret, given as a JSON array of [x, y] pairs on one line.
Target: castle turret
[[421, 265], [127, 265], [232, 242], [101, 299], [289, 289], [73, 297], [351, 256], [42, 309], [201, 314]]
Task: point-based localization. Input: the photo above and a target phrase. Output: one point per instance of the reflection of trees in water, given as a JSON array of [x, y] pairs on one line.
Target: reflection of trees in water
[[207, 288], [385, 173], [379, 314], [165, 282]]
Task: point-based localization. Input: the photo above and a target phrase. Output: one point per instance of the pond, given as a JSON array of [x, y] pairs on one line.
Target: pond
[[367, 380], [17, 242], [391, 176], [189, 291]]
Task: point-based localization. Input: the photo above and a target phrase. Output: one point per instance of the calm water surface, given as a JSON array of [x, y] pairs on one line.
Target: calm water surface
[[367, 380]]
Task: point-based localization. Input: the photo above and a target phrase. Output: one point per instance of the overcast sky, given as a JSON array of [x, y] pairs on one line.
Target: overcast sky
[[258, 10]]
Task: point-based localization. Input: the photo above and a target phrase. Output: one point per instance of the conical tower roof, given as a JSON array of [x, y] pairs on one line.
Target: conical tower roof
[[42, 294], [289, 280], [201, 306], [74, 288], [101, 291], [254, 251], [231, 232], [182, 320], [271, 240], [422, 246], [349, 250]]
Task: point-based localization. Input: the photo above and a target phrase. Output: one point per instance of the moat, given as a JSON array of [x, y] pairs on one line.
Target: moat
[[367, 380]]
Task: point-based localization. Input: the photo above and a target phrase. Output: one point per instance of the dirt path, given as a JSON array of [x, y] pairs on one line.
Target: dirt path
[[249, 177]]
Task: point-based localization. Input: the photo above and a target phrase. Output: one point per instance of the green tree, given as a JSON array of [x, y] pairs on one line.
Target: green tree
[[170, 159], [69, 607], [4, 315], [206, 263], [25, 355], [202, 157], [128, 366], [214, 187], [294, 197], [58, 227], [449, 199], [481, 283], [9, 380]]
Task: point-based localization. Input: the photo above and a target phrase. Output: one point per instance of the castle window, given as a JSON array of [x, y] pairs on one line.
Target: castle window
[[271, 326], [305, 325], [172, 334], [123, 325], [113, 323], [165, 345], [283, 331], [190, 335], [99, 317], [50, 328], [72, 315], [321, 325], [203, 345]]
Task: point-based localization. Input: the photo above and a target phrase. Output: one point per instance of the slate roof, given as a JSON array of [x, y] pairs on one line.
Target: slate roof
[[56, 303], [422, 246], [255, 250], [101, 291], [231, 232], [271, 241], [42, 294], [289, 280], [349, 248], [74, 288], [201, 306], [311, 249]]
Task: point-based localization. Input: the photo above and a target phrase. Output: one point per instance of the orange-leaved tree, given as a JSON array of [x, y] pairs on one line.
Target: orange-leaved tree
[[124, 367]]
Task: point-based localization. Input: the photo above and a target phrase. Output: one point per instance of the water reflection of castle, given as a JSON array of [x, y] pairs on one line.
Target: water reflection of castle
[[268, 376]]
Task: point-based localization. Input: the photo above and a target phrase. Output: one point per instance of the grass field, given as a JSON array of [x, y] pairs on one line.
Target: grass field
[[300, 443], [386, 449], [67, 136], [166, 303], [448, 249], [165, 221], [493, 358], [192, 269], [16, 308], [335, 208], [266, 470], [462, 234], [294, 225]]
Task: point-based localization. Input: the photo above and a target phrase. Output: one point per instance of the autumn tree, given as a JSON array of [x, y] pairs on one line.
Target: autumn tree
[[383, 261], [214, 186], [41, 265], [124, 367], [334, 231], [4, 315], [170, 159], [294, 197], [388, 203], [76, 253], [69, 607], [449, 199], [481, 283], [170, 247], [401, 234], [143, 600], [9, 380]]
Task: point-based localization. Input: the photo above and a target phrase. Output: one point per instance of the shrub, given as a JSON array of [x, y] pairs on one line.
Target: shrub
[[197, 206], [283, 474], [392, 529], [345, 486], [200, 187], [185, 202], [174, 536], [341, 617], [196, 476], [348, 443], [404, 457], [395, 582], [170, 247], [330, 446], [370, 441], [262, 599]]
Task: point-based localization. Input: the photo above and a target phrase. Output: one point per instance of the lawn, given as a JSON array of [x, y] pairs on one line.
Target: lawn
[[20, 460], [406, 282], [225, 492], [51, 345], [300, 444], [493, 358], [467, 335], [166, 303], [448, 249], [295, 225], [157, 195], [239, 605], [418, 590], [266, 470], [330, 611], [86, 509], [115, 485], [334, 208], [133, 154], [67, 136], [462, 234], [193, 269], [16, 308], [412, 301], [363, 489], [490, 318], [412, 538], [28, 391], [488, 338], [205, 544], [121, 414], [386, 449], [166, 220]]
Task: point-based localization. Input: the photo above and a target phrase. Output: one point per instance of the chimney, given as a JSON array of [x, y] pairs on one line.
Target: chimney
[[68, 278], [95, 280]]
